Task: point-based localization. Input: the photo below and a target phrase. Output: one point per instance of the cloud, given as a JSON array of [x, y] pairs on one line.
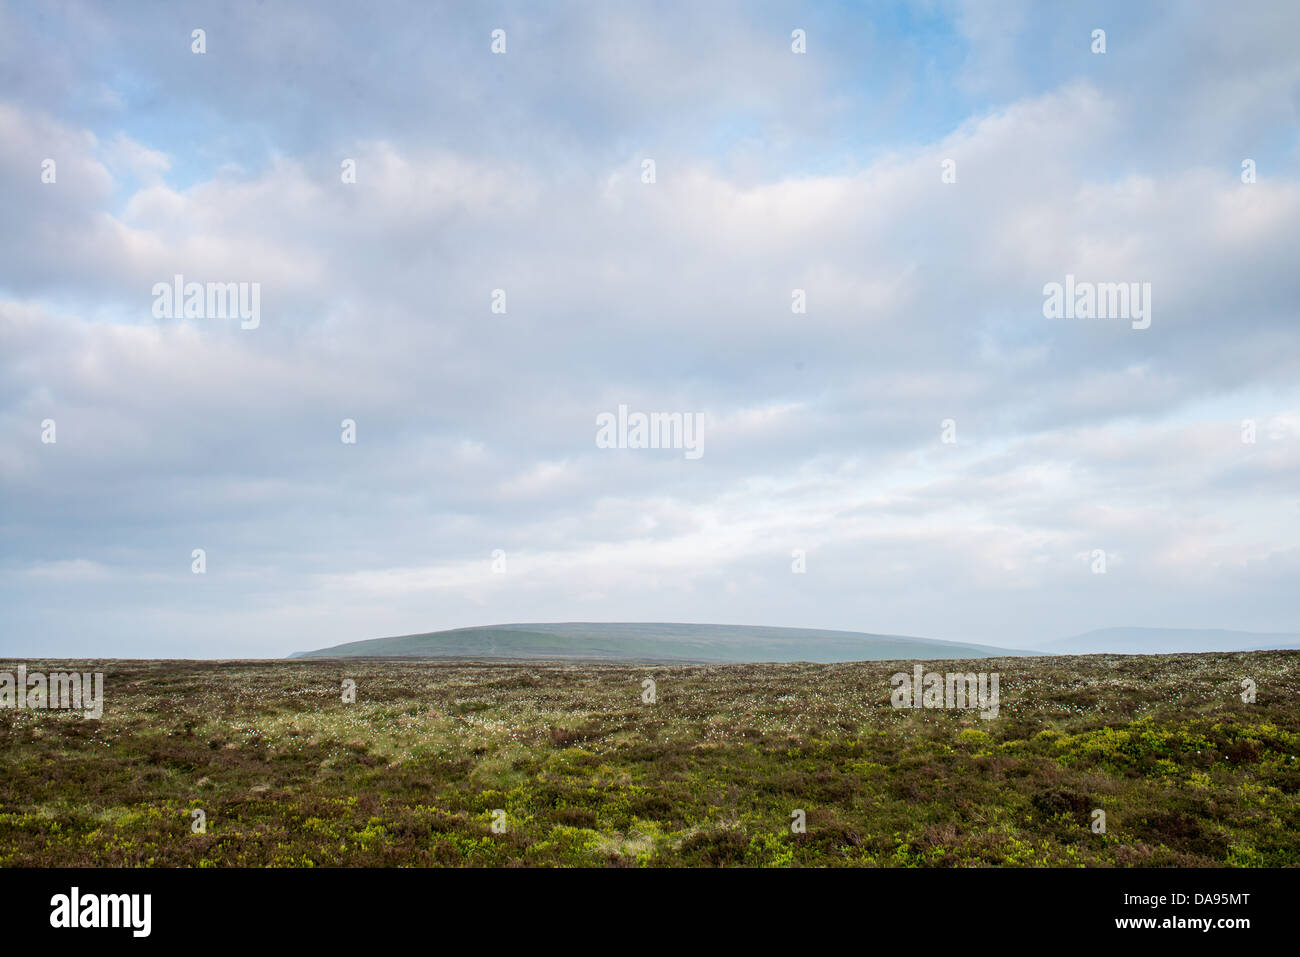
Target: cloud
[[71, 570], [475, 428]]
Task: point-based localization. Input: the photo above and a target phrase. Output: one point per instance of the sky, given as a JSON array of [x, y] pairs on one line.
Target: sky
[[838, 259]]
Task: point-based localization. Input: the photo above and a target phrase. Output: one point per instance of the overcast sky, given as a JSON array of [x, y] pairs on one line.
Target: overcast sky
[[524, 171]]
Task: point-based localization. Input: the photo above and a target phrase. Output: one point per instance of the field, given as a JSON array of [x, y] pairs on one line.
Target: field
[[288, 774]]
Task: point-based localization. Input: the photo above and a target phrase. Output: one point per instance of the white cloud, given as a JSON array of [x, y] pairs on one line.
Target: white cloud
[[823, 429]]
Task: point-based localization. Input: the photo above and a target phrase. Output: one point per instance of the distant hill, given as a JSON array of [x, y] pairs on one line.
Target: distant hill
[[1163, 641], [641, 642]]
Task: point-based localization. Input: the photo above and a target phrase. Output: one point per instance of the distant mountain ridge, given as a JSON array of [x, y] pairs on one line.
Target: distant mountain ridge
[[657, 641], [1165, 641], [719, 644]]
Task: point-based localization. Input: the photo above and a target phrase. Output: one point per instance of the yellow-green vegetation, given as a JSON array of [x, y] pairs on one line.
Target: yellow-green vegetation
[[414, 771]]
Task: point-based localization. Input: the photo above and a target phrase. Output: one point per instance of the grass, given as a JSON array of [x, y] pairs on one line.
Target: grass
[[289, 775]]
